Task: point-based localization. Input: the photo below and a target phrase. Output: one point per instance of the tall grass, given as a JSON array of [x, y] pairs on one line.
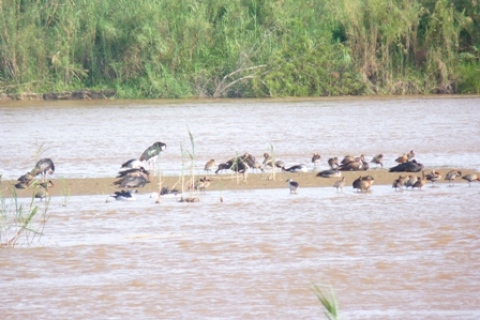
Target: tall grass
[[17, 222], [240, 48]]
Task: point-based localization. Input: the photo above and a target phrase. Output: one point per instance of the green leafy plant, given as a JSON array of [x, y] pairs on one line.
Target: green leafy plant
[[328, 301]]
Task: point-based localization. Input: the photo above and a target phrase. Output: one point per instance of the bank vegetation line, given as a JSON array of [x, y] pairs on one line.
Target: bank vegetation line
[[252, 48]]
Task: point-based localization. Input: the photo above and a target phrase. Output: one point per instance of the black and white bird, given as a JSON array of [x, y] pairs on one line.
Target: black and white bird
[[123, 195], [330, 173], [297, 168], [293, 186], [43, 166], [151, 153], [132, 164]]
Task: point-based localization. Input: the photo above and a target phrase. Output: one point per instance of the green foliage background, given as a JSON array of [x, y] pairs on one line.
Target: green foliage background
[[240, 48]]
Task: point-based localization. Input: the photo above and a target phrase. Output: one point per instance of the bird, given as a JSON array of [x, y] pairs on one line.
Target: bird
[[420, 182], [26, 178], [297, 168], [268, 162], [132, 182], [43, 166], [222, 166], [293, 186], [452, 175], [132, 164], [202, 184], [333, 162], [135, 172], [409, 166], [434, 176], [316, 159], [350, 163], [22, 184], [339, 184], [123, 195], [209, 165], [410, 155], [330, 173], [402, 159], [378, 160], [470, 178], [43, 192], [410, 181], [363, 183], [151, 153], [398, 183]]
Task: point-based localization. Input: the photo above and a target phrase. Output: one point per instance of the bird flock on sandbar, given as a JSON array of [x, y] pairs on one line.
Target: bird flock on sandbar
[[133, 174]]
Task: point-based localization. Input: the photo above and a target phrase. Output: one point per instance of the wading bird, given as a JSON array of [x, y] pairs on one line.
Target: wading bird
[[151, 153], [293, 186]]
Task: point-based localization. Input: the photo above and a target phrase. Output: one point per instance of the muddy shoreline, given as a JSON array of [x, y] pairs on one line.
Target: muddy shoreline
[[105, 186]]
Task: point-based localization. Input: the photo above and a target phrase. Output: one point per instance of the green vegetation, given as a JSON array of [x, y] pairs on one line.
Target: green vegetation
[[17, 222], [328, 301], [240, 48]]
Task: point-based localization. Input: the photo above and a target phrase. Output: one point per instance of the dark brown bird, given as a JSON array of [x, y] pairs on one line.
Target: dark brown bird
[[316, 159], [333, 162], [398, 183], [420, 182], [378, 160]]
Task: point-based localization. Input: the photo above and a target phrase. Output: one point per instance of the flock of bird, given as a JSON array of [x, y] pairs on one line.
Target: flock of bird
[[133, 175]]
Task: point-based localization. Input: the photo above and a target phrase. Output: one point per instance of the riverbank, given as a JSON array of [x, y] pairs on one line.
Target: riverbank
[[105, 186]]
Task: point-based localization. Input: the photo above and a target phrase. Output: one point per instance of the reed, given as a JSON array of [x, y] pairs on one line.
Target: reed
[[328, 301], [17, 222]]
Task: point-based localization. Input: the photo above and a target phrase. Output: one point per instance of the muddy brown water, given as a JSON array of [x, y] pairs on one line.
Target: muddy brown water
[[256, 254]]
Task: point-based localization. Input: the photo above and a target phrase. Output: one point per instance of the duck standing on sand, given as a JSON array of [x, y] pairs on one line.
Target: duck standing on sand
[[378, 160], [316, 159], [434, 176], [43, 192]]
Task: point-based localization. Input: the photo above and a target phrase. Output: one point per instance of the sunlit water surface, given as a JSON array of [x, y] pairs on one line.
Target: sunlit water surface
[[257, 254]]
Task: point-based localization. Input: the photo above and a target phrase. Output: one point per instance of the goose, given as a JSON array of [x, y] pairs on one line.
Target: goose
[[43, 166], [209, 165], [123, 195], [27, 177], [363, 184], [409, 166], [339, 184], [268, 162], [333, 162], [398, 183], [293, 186], [151, 153], [434, 176], [132, 164], [410, 181], [135, 172], [316, 159], [470, 178], [420, 182], [297, 168], [402, 159], [131, 182], [330, 173], [202, 184], [378, 160], [43, 192], [452, 175]]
